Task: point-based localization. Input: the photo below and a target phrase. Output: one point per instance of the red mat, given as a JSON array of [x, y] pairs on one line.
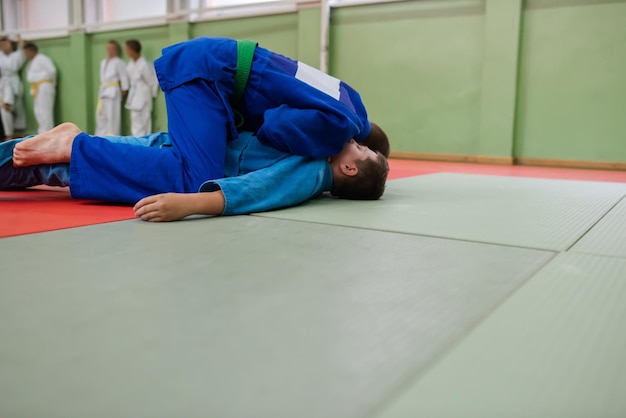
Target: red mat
[[410, 168], [47, 209]]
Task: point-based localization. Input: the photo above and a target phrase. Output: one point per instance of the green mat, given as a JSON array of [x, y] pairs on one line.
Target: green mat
[[608, 237], [234, 317], [533, 213], [556, 348]]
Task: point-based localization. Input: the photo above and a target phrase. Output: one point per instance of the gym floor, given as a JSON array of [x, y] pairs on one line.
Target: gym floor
[[469, 290]]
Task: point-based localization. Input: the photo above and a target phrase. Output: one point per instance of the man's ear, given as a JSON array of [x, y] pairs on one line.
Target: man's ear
[[349, 169]]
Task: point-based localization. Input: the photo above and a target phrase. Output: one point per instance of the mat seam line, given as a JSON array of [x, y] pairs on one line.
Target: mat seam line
[[417, 375], [552, 250], [595, 223], [616, 257]]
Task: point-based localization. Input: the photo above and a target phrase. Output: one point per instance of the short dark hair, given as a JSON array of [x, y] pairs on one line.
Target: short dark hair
[[377, 140], [117, 45], [367, 184], [134, 44], [6, 39], [31, 46]]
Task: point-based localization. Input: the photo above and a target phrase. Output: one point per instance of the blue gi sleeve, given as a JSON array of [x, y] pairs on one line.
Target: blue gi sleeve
[[309, 132], [288, 183]]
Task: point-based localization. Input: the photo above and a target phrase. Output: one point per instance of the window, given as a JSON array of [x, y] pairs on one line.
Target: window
[[57, 17], [223, 3], [105, 11], [24, 15], [207, 9]]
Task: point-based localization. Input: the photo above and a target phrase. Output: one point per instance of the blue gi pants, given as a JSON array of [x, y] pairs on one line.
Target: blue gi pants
[[259, 177], [58, 174], [198, 129]]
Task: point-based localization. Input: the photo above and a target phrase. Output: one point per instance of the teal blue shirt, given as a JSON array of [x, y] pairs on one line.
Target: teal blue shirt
[[261, 178]]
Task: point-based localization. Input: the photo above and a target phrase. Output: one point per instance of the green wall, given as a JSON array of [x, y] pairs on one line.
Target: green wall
[[572, 84], [418, 67], [495, 78]]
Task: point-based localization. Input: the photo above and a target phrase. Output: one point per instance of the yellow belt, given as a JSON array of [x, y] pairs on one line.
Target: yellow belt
[[102, 86], [34, 87]]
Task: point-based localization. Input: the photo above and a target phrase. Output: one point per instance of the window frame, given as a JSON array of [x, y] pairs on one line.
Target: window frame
[[65, 30], [176, 11], [141, 22]]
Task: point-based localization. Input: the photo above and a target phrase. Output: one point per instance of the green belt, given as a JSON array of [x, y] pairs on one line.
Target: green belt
[[245, 54]]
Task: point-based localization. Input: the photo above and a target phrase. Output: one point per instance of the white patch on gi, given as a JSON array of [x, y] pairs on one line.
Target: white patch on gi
[[319, 80]]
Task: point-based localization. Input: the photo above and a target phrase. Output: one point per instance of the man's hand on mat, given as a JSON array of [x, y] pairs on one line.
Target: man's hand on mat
[[176, 206], [163, 207]]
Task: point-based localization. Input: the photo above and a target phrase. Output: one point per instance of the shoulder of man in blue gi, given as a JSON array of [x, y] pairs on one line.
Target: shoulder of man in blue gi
[[301, 110], [212, 59], [263, 178]]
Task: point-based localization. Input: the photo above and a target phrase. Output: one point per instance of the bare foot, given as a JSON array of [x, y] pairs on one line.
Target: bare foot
[[54, 146]]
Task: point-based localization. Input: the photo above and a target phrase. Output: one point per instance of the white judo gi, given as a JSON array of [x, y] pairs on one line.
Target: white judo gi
[[143, 88], [12, 91], [113, 79], [41, 74]]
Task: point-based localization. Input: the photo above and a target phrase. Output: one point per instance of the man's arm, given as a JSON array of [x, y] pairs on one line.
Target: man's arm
[[176, 206], [122, 73], [50, 69], [149, 77], [287, 183], [7, 95], [16, 60], [17, 57]]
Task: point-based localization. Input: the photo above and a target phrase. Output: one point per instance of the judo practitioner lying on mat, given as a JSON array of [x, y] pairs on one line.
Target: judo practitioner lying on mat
[[286, 103], [256, 177], [306, 126]]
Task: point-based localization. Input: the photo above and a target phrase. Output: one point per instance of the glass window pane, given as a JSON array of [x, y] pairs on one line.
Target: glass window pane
[[204, 9], [221, 3], [113, 10], [35, 14]]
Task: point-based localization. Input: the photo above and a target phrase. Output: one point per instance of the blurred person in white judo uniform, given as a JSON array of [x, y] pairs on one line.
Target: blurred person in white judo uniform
[[11, 88], [113, 86], [143, 89], [42, 76]]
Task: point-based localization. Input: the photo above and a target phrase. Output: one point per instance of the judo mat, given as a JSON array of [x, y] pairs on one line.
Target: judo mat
[[31, 211], [555, 349], [543, 214], [234, 317], [47, 209], [609, 236], [454, 296]]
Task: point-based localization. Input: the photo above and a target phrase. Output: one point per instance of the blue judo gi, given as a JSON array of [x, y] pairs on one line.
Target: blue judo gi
[[294, 109], [288, 104], [257, 177]]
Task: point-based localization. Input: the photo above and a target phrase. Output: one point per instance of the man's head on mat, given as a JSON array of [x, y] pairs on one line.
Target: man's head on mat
[[377, 140], [359, 173]]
